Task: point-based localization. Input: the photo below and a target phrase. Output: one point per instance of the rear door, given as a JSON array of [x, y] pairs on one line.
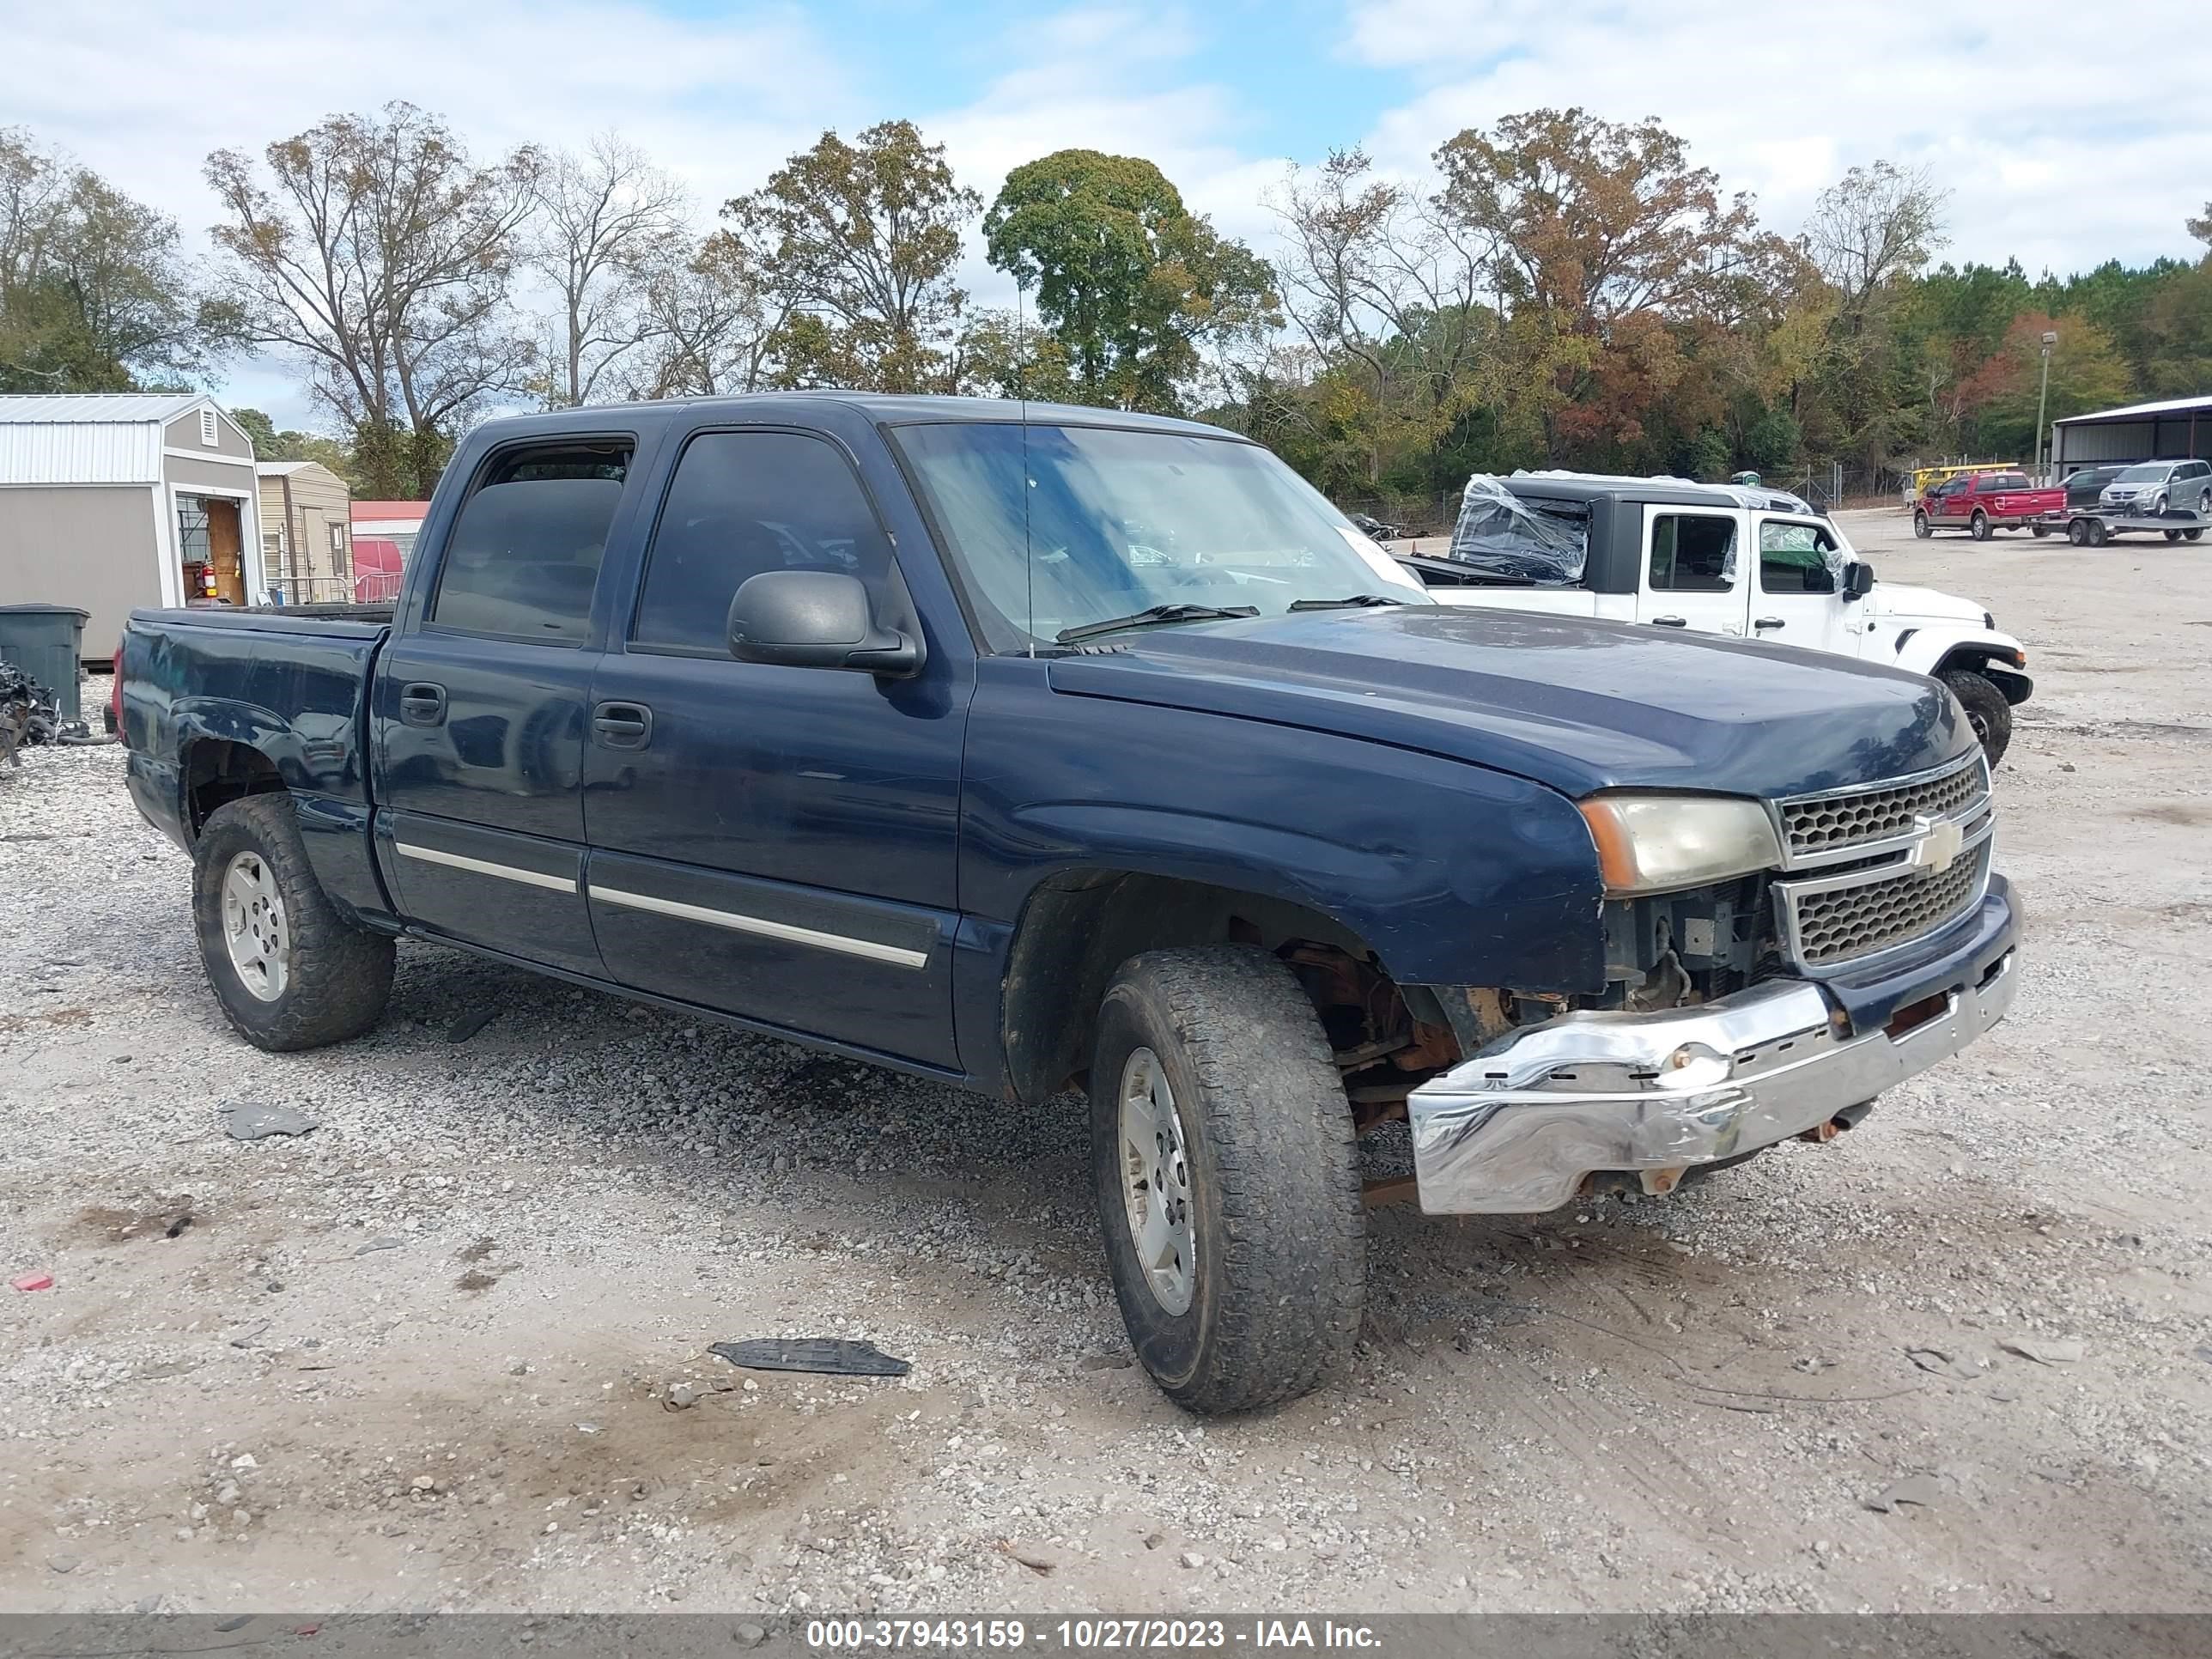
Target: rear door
[[777, 842], [1694, 577], [480, 699]]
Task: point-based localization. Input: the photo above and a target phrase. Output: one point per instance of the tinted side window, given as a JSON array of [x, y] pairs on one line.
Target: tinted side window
[[1693, 554], [742, 503], [524, 558]]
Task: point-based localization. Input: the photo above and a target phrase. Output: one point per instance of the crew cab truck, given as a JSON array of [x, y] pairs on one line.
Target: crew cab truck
[[1098, 751], [1718, 559], [1982, 503]]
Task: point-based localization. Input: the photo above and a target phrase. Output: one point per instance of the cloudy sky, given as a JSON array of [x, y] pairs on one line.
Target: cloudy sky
[[2045, 162]]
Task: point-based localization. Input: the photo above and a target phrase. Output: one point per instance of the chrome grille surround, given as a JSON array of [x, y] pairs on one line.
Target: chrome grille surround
[[1872, 869], [1854, 823]]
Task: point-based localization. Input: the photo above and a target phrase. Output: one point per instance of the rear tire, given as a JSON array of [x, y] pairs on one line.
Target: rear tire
[[1987, 711], [288, 970], [1978, 527], [2039, 531], [1921, 527], [2078, 533], [2191, 535], [1214, 1096]]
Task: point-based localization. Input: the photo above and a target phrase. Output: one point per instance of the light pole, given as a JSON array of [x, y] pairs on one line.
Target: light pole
[[2042, 398]]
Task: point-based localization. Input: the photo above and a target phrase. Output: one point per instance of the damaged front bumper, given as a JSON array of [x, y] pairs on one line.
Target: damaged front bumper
[[1519, 1128]]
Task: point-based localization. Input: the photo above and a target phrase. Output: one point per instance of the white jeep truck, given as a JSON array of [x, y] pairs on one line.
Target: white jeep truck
[[1674, 554]]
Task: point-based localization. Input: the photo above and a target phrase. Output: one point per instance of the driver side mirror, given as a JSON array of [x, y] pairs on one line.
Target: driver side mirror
[[817, 619], [1859, 580]]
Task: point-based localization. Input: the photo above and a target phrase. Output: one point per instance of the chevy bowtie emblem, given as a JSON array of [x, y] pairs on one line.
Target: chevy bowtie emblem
[[1942, 840]]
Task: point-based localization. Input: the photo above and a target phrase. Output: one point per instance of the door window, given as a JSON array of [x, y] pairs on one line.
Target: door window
[[1693, 553], [742, 503], [523, 560], [1795, 558]]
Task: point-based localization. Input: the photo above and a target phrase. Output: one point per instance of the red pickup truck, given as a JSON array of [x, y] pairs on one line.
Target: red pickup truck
[[1981, 502]]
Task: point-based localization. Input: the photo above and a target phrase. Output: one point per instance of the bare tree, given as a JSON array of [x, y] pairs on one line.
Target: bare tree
[[607, 221], [1874, 224], [1376, 277], [372, 248], [709, 324]]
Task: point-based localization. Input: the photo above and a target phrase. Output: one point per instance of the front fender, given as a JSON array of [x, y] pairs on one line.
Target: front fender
[[1932, 647], [1450, 873]]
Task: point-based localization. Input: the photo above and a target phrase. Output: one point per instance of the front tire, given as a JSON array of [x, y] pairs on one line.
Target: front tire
[[288, 970], [1987, 711], [1227, 1178]]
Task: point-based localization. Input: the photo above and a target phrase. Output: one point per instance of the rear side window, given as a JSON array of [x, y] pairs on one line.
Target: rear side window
[[742, 503], [524, 558], [1693, 553]]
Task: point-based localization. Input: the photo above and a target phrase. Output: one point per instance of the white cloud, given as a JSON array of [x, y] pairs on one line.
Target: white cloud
[[145, 90], [2044, 161], [1116, 79], [2066, 138]]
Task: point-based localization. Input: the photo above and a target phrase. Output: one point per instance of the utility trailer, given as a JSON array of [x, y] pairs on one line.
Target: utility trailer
[[2088, 527]]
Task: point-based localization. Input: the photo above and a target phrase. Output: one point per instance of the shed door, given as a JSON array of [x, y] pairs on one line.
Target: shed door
[[226, 543]]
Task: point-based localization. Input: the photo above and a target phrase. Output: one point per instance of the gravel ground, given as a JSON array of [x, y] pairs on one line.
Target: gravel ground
[[422, 1357]]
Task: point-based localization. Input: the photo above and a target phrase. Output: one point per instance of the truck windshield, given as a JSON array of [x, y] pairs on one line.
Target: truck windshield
[[1118, 521]]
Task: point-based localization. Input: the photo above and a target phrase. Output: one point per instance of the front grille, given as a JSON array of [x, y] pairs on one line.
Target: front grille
[[1830, 823], [1851, 922]]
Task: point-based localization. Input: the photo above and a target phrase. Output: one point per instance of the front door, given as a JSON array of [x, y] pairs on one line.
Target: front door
[[1693, 576], [1798, 600], [775, 842], [479, 710]]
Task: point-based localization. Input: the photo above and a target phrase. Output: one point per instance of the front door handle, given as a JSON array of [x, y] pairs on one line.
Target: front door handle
[[1670, 621], [1769, 622], [622, 725], [422, 703]]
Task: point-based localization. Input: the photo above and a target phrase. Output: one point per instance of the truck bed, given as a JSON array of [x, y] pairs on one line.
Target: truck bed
[[208, 690]]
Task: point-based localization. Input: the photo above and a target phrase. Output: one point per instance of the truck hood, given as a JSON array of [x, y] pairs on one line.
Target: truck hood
[[1576, 705], [1903, 602]]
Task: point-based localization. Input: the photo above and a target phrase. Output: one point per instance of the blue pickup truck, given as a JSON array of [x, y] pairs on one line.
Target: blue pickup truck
[[1088, 749]]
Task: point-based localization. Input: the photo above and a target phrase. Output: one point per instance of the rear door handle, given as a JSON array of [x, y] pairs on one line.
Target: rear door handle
[[1670, 621], [422, 703], [1769, 622], [622, 725]]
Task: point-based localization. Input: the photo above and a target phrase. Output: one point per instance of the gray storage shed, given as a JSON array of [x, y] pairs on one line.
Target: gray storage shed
[[112, 501]]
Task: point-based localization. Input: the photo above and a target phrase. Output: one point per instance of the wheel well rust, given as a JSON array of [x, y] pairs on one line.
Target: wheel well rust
[[217, 771], [1080, 926]]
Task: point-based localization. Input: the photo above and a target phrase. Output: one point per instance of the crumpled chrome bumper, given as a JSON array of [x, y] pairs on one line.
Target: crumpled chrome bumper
[[1515, 1129]]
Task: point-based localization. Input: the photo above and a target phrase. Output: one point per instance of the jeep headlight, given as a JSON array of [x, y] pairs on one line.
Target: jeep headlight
[[1656, 843]]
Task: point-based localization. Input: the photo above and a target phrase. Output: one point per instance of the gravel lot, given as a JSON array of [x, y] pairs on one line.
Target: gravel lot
[[421, 1358]]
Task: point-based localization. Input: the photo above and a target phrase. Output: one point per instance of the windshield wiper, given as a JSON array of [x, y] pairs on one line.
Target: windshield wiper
[[1152, 615], [1350, 602]]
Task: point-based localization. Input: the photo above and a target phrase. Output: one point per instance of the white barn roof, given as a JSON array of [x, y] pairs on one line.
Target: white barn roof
[[2143, 411], [94, 439]]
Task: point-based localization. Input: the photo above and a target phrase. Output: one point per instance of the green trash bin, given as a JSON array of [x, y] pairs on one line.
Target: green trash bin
[[45, 641]]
